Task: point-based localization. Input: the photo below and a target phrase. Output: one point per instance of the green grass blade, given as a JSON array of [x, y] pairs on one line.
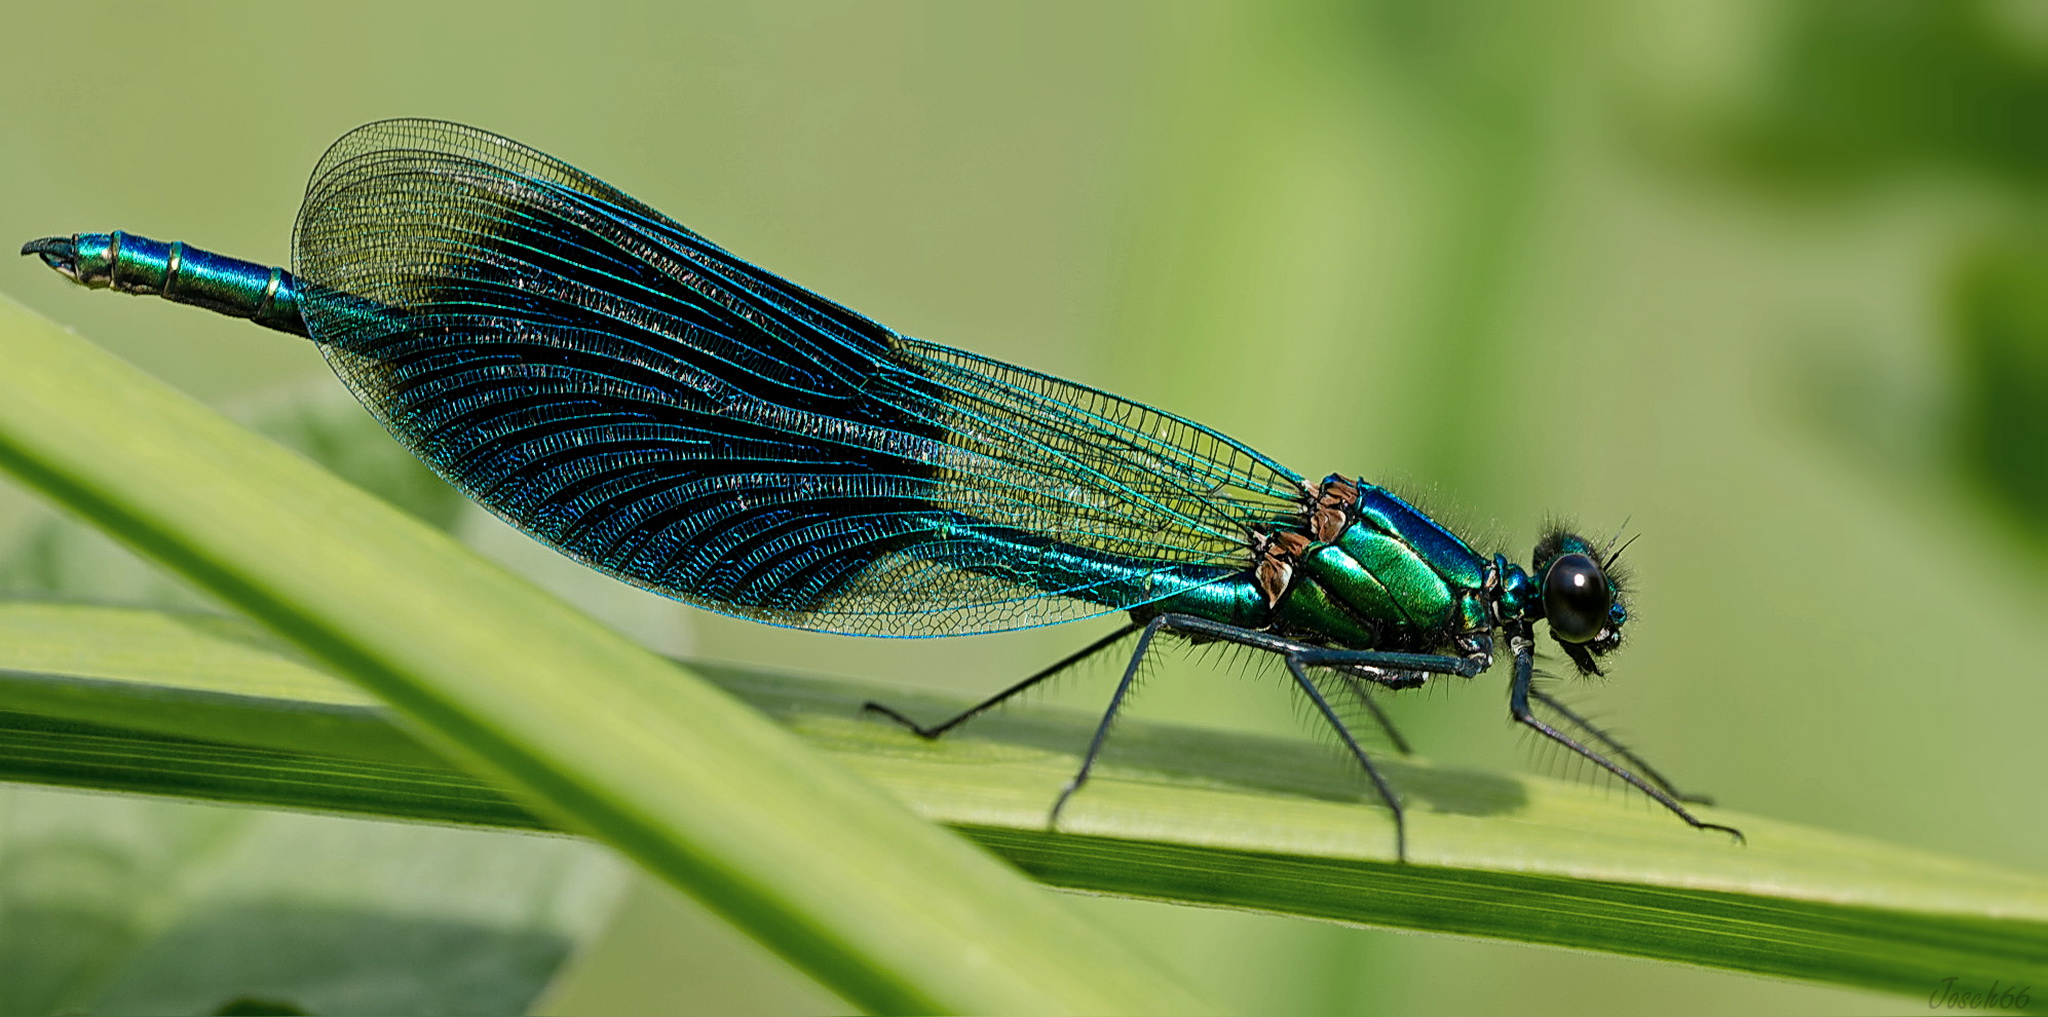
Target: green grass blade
[[140, 905], [137, 700], [593, 731]]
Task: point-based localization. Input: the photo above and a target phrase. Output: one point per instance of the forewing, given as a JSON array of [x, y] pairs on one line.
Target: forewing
[[1095, 470], [638, 398]]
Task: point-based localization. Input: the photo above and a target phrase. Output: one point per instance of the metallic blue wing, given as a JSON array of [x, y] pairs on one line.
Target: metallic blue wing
[[638, 398]]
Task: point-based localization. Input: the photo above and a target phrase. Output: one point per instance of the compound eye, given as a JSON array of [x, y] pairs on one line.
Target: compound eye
[[1576, 600]]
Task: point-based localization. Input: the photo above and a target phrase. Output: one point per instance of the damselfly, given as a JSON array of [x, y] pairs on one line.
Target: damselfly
[[645, 402]]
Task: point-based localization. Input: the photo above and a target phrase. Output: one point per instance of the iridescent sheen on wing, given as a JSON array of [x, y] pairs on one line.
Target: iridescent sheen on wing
[[633, 395]]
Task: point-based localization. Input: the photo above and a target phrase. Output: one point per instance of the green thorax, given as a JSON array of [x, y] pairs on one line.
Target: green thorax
[[1366, 571], [1392, 579]]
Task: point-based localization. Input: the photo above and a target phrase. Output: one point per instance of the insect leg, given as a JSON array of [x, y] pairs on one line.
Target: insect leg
[[993, 701], [1362, 663], [1616, 747], [1427, 663], [1296, 667], [1351, 665], [1116, 702], [1518, 707], [1195, 625], [1351, 680]]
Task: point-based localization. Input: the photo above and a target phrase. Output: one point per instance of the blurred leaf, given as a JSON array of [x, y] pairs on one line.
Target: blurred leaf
[[137, 916], [2000, 300], [1864, 90], [321, 421], [1983, 422], [51, 555], [131, 906], [57, 555], [1175, 814], [601, 734]]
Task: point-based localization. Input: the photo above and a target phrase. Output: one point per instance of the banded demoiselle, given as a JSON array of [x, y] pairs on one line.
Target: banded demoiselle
[[642, 400]]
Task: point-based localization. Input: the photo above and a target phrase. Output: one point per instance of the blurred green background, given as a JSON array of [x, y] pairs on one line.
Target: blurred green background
[[1764, 283]]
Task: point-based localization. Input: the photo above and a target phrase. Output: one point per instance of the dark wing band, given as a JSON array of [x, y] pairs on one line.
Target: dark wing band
[[640, 399]]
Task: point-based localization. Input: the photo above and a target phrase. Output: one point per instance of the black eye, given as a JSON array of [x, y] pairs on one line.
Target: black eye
[[1576, 600]]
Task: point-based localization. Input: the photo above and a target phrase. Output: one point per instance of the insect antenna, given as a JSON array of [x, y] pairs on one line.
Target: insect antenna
[[1616, 556]]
